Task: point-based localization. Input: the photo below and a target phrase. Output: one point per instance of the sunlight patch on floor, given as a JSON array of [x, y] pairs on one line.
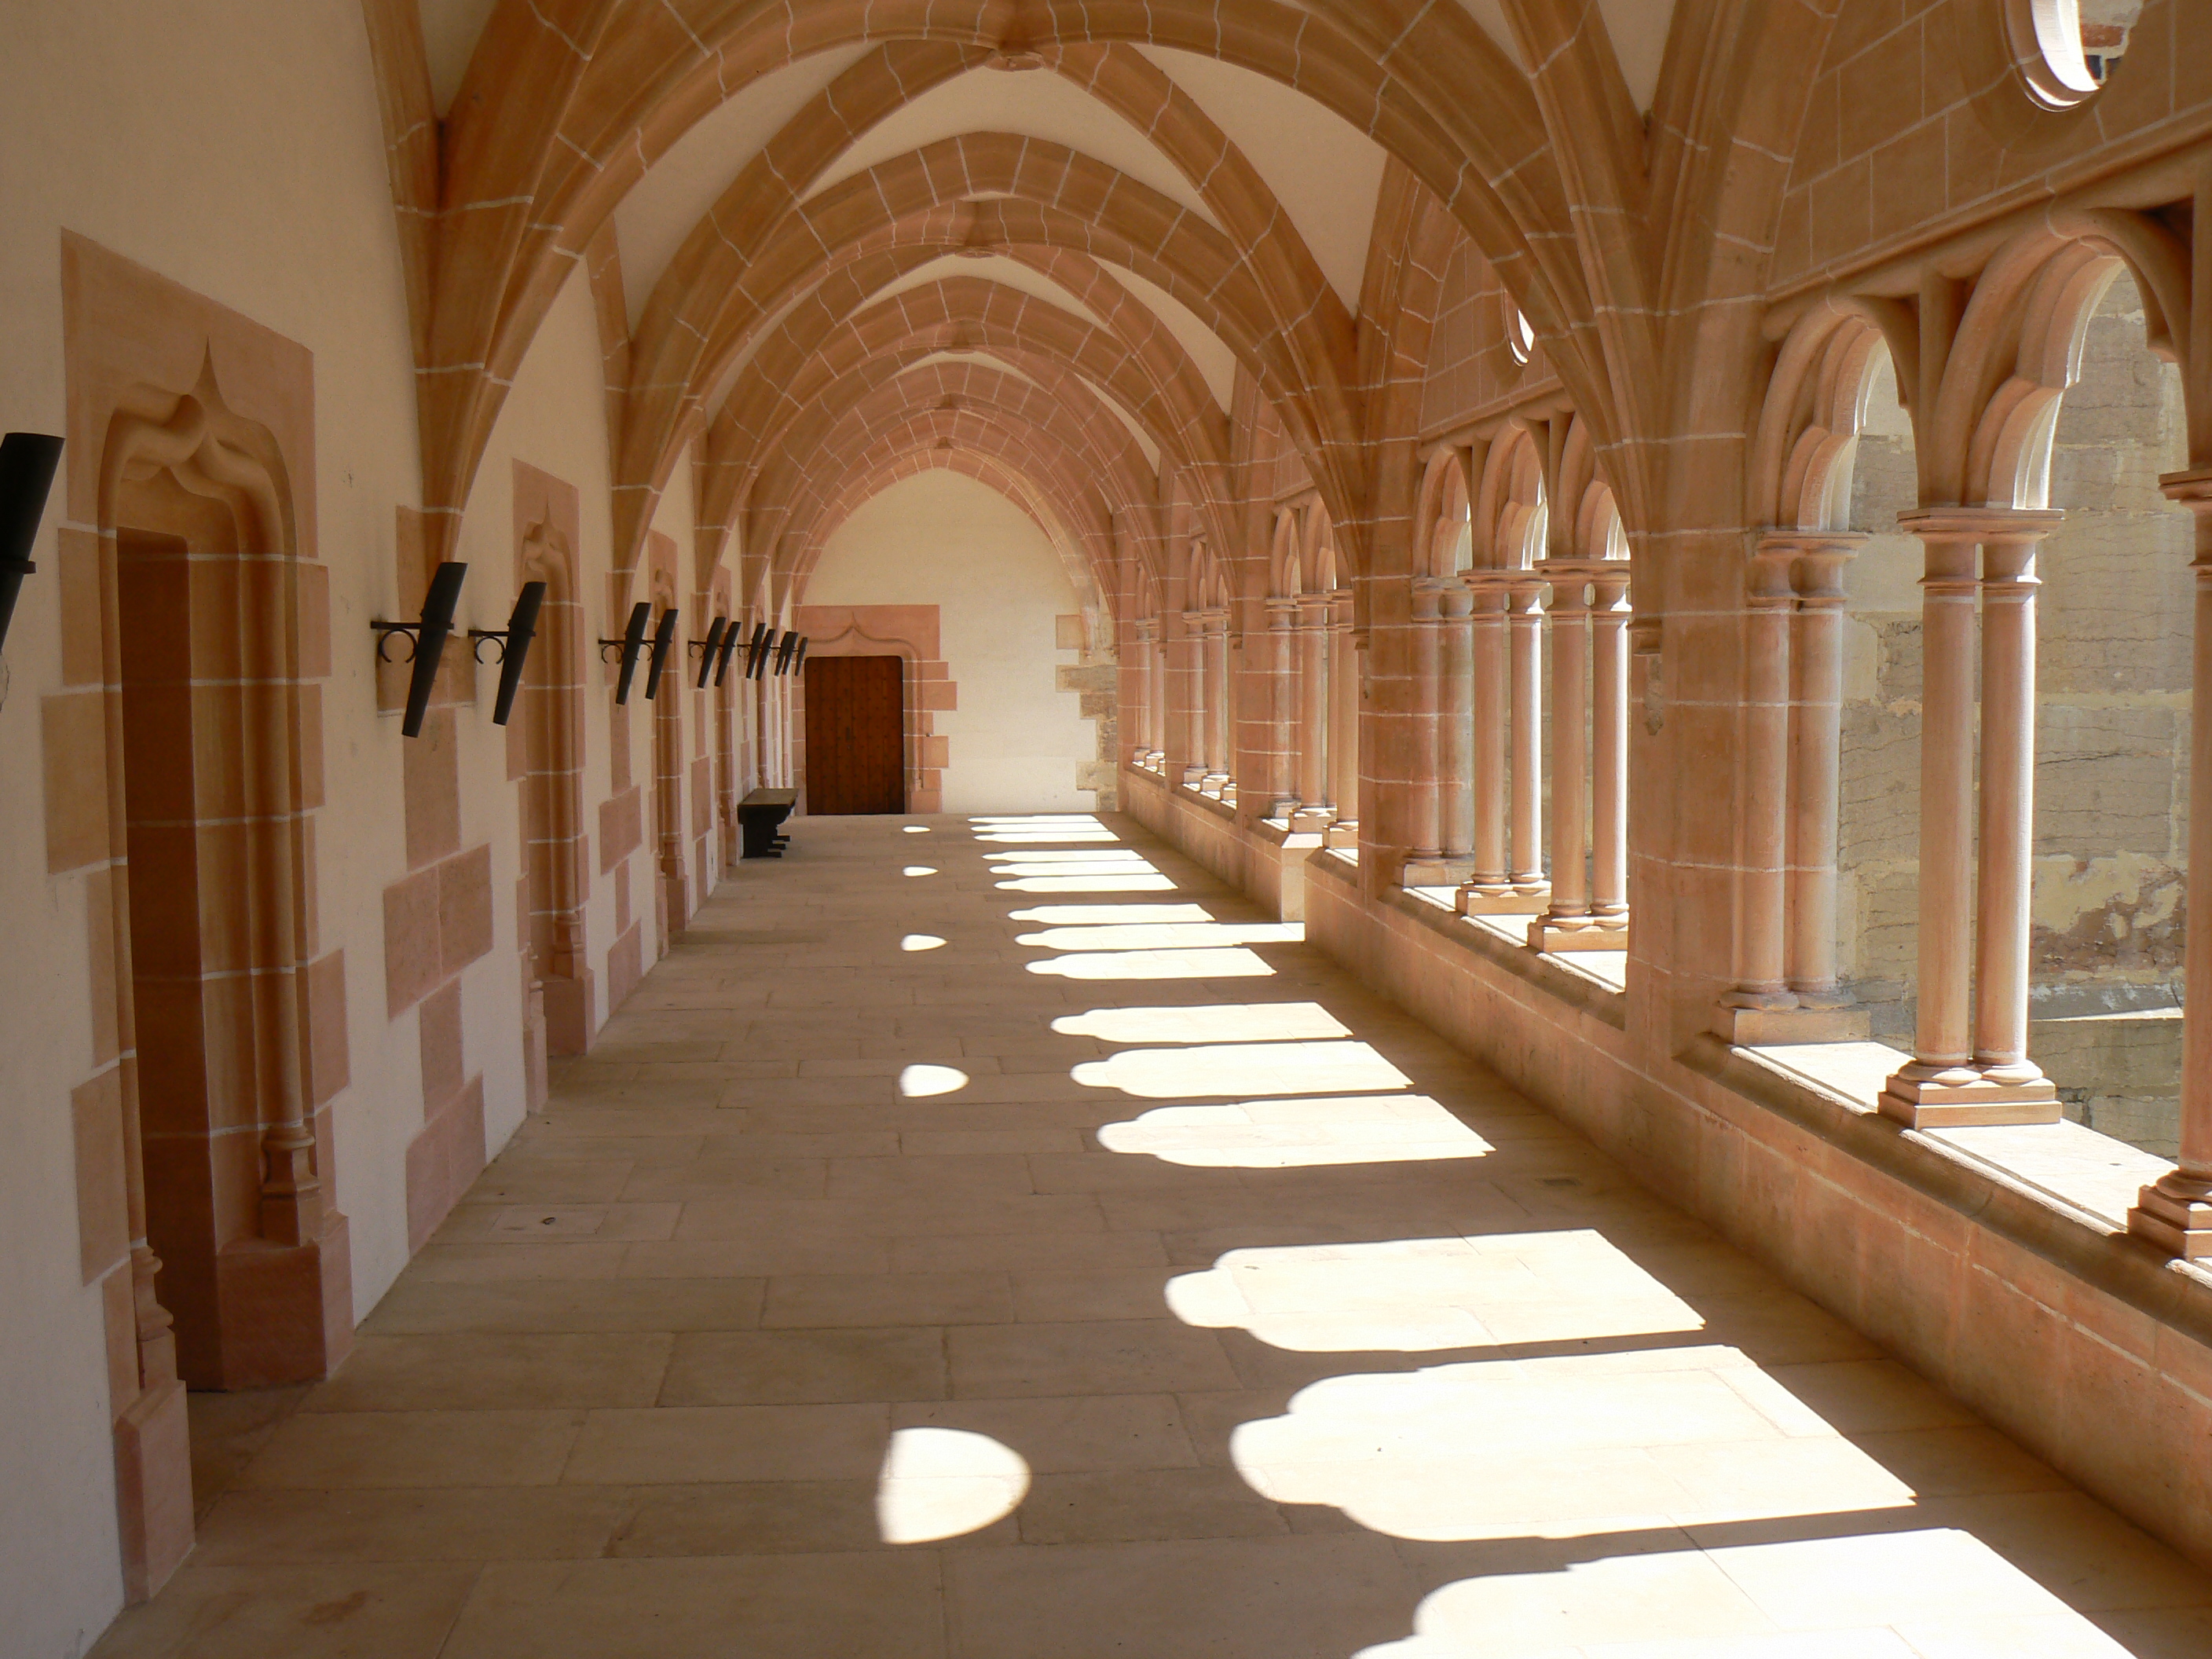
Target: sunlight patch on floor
[[1169, 936], [1238, 964], [919, 1082], [1109, 915], [917, 870], [1132, 882], [945, 1483], [1255, 1068], [921, 942], [1369, 1129], [1228, 1022], [1076, 860], [1924, 1593]]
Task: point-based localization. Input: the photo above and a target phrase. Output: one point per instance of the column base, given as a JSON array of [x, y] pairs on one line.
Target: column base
[[2180, 1223], [1769, 1028], [1956, 1098], [153, 1489], [569, 1005], [1193, 776], [1310, 820], [1436, 873], [1575, 934], [1475, 901], [1344, 834]]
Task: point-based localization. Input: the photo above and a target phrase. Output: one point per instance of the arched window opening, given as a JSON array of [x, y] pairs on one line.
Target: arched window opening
[[1520, 338]]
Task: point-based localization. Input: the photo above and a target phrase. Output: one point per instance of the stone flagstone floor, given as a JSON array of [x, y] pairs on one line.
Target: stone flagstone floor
[[991, 1238]]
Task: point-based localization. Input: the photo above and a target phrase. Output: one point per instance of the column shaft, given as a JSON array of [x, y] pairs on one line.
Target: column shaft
[[1313, 704], [1344, 710], [1215, 648], [1946, 802], [1609, 761], [1570, 753], [1527, 872], [2008, 811], [1456, 717], [1816, 768], [1491, 722], [1763, 782], [1424, 819]]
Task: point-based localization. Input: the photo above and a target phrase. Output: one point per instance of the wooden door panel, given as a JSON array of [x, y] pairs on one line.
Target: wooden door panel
[[855, 735]]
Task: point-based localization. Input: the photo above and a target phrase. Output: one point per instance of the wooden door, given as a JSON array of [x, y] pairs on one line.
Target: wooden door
[[855, 735]]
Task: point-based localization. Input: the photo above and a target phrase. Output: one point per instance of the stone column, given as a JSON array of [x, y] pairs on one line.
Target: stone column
[[1424, 819], [1568, 924], [1215, 650], [1343, 709], [2008, 812], [2175, 1211], [1186, 743], [1488, 889], [1760, 949], [1313, 711], [1156, 698], [1816, 714], [1943, 1086], [1284, 706], [1455, 720], [1526, 618], [1145, 646], [1609, 620]]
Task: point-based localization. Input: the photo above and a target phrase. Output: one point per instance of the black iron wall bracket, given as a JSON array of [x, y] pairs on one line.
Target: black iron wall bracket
[[428, 639], [513, 646], [631, 645]]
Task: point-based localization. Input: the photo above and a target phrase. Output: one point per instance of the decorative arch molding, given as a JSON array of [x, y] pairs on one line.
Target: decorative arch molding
[[545, 757], [189, 494], [912, 634]]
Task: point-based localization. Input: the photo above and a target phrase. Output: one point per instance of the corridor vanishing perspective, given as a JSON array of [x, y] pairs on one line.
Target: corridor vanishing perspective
[[993, 1237]]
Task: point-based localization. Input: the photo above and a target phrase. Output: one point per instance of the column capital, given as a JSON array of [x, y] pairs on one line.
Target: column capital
[[2192, 488], [1341, 610], [1570, 578], [1611, 585], [1981, 524], [1428, 596], [1282, 610], [1817, 558], [1148, 630], [1313, 610]]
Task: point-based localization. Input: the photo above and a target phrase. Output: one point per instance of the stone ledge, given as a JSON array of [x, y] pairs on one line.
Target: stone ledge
[[1582, 992], [2065, 1228]]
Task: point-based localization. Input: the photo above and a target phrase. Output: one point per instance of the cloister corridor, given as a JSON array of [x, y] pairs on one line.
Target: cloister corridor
[[989, 1238]]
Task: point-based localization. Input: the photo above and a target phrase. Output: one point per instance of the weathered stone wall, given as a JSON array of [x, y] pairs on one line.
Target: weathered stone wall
[[2112, 789]]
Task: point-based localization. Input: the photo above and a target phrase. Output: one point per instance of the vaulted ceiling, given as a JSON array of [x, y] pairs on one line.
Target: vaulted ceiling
[[831, 242]]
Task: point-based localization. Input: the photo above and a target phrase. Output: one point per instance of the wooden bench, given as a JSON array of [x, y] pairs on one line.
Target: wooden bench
[[759, 815]]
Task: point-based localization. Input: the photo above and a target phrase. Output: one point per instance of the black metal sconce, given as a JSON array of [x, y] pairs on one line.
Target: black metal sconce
[[785, 652], [430, 637], [27, 460], [663, 642], [631, 644], [710, 649], [757, 654], [514, 647], [731, 641], [798, 662]]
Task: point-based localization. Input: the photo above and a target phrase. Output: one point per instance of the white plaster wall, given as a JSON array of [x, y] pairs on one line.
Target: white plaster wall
[[554, 419], [234, 147], [942, 538]]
